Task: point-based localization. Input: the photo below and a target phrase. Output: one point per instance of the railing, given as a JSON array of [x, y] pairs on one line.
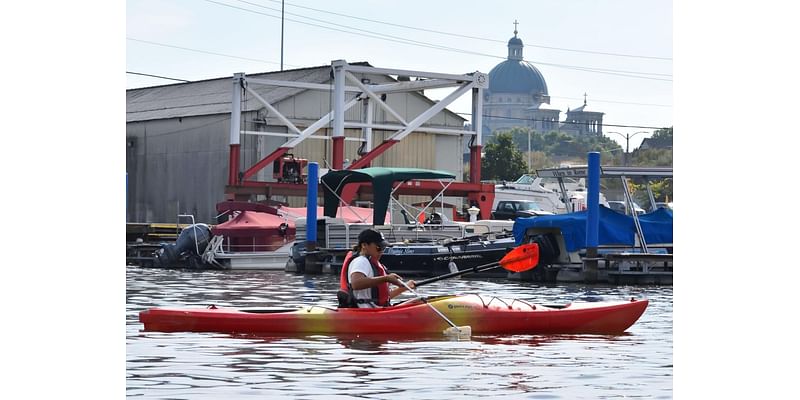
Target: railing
[[346, 235], [252, 247], [196, 245]]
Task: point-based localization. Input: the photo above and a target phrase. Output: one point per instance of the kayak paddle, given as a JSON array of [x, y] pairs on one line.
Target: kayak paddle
[[453, 330], [522, 258]]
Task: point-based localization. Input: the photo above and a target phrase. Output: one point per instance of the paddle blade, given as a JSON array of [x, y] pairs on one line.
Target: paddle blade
[[522, 258], [459, 332]]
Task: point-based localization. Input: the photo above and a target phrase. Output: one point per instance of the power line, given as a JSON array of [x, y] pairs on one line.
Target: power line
[[615, 102], [560, 122], [558, 97], [156, 76], [467, 114], [471, 37], [364, 33], [203, 51], [430, 45], [391, 38]]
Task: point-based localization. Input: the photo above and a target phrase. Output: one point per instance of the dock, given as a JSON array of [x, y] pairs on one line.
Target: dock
[[638, 268], [152, 232]]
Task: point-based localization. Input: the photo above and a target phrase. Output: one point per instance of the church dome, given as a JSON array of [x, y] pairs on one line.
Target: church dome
[[516, 76]]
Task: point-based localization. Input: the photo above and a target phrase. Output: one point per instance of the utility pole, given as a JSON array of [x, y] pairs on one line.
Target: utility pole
[[282, 34]]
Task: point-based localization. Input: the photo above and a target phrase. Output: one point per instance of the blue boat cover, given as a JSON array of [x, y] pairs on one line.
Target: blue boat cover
[[615, 228]]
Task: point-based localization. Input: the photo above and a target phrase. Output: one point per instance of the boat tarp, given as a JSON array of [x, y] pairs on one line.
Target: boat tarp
[[382, 180], [615, 228], [251, 223]]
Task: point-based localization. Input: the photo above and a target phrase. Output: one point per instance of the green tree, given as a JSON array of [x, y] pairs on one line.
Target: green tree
[[661, 139], [502, 160], [539, 160], [658, 152]]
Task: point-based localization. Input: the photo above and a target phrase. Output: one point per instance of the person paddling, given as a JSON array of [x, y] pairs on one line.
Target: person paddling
[[364, 281]]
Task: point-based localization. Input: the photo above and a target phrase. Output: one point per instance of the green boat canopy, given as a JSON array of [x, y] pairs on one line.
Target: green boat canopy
[[382, 180]]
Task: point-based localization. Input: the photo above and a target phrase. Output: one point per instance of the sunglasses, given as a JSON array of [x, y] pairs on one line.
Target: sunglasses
[[379, 247]]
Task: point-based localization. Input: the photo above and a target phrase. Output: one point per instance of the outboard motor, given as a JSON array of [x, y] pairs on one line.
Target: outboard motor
[[193, 239]]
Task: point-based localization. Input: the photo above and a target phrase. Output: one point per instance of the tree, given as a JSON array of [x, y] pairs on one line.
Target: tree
[[539, 160], [658, 152], [502, 160]]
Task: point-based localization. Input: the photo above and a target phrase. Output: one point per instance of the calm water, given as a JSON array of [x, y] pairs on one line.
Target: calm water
[[216, 366]]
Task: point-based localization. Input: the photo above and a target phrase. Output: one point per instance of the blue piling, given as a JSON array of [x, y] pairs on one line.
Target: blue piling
[[311, 201], [593, 200], [592, 217], [312, 265]]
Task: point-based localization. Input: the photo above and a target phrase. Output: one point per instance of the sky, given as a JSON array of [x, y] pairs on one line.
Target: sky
[[618, 53]]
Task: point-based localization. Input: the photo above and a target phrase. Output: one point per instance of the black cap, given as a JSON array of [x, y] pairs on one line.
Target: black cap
[[372, 236]]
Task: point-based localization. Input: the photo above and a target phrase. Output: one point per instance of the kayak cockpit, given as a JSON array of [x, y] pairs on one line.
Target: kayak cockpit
[[267, 310]]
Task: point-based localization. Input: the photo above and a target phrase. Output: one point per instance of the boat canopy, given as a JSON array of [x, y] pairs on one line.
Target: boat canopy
[[382, 180], [251, 223], [615, 228]]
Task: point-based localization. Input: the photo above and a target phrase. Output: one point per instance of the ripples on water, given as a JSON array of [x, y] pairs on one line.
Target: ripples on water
[[214, 366]]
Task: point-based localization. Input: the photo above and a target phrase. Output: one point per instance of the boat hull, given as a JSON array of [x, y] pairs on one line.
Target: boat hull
[[438, 259], [433, 264], [484, 314]]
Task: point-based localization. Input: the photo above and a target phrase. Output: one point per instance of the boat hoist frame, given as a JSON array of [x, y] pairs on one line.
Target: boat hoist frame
[[348, 90]]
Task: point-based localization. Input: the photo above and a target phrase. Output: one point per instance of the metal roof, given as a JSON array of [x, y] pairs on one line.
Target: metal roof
[[515, 41], [516, 76], [584, 109], [543, 106], [212, 96]]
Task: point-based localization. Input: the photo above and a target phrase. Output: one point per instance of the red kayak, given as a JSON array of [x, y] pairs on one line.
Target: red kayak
[[484, 314]]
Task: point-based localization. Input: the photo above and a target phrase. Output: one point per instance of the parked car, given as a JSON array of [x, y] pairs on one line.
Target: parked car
[[513, 209], [622, 207]]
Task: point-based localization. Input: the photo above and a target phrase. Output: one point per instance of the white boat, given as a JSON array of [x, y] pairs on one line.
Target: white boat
[[547, 192], [528, 187]]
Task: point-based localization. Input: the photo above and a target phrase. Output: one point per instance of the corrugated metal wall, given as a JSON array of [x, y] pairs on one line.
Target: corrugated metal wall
[[176, 166]]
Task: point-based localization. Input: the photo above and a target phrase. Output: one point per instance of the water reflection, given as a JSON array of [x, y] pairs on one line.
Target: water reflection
[[213, 365]]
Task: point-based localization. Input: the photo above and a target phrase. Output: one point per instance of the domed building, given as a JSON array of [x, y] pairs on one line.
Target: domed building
[[518, 96]]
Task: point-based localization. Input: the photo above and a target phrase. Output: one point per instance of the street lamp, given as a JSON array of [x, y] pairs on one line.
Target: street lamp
[[628, 137], [529, 150]]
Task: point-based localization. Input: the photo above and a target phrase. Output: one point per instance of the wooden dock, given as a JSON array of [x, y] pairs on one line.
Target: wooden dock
[[152, 232], [638, 268], [143, 239]]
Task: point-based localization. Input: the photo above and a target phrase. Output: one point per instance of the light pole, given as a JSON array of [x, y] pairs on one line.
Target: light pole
[[628, 137], [529, 150], [282, 1]]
